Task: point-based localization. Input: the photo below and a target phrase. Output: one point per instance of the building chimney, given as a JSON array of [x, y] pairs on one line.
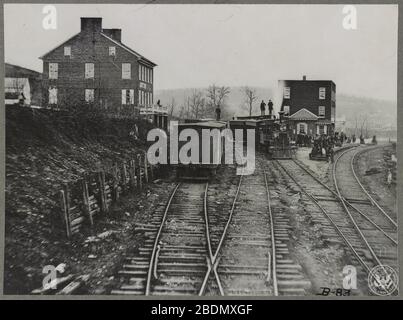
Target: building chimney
[[304, 77], [115, 34], [91, 24]]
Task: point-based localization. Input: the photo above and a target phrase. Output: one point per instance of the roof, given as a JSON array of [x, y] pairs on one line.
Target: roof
[[120, 44], [123, 46], [310, 80], [58, 46], [304, 114], [249, 122], [14, 71], [204, 124]]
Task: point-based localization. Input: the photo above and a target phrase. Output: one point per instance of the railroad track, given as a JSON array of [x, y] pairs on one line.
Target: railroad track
[[246, 245], [349, 187], [371, 240], [391, 216], [172, 260], [194, 248]]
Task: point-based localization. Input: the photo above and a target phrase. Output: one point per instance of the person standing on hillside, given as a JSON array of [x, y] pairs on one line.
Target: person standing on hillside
[[389, 178]]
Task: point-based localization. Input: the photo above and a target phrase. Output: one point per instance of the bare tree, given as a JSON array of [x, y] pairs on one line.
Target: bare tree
[[197, 104], [250, 98], [171, 106], [216, 97]]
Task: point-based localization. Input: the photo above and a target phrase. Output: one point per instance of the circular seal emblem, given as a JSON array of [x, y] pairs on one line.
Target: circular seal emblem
[[382, 280]]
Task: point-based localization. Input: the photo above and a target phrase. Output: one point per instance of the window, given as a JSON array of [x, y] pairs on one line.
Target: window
[[127, 96], [53, 70], [126, 71], [322, 93], [89, 70], [287, 93], [151, 75], [302, 128], [321, 111], [89, 95], [286, 109], [67, 51], [143, 73], [52, 95], [321, 129], [112, 51], [142, 98], [152, 98]]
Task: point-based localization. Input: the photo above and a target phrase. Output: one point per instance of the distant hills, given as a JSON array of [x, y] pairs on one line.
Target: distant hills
[[380, 114]]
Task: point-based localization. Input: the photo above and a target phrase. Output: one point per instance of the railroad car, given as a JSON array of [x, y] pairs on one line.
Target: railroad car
[[271, 135], [244, 124], [201, 168]]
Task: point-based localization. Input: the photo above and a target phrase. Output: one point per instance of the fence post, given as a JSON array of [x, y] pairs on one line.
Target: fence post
[[145, 167], [139, 177], [65, 202], [132, 174], [152, 172], [101, 186], [124, 177], [115, 182], [86, 201]]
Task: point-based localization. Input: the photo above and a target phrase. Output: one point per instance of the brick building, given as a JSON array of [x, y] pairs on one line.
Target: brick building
[[95, 67], [310, 105]]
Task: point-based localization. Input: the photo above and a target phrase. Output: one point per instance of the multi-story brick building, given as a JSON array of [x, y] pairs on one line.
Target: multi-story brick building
[[310, 105], [95, 67]]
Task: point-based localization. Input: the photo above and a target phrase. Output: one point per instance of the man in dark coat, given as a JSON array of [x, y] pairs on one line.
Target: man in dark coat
[[262, 108], [270, 106], [218, 113]]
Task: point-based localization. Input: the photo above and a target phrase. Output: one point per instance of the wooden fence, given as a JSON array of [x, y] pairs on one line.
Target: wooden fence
[[84, 201]]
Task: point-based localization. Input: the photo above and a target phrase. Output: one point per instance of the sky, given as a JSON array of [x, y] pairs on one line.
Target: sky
[[228, 44]]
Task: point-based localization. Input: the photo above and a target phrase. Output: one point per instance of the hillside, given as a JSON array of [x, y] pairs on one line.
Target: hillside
[[45, 149]]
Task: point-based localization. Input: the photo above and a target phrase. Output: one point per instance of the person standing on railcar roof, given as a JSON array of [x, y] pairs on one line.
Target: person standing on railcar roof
[[262, 108], [270, 107], [218, 113]]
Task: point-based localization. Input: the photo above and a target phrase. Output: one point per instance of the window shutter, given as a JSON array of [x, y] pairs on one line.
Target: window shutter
[[131, 96], [123, 96], [52, 95], [287, 93], [322, 93]]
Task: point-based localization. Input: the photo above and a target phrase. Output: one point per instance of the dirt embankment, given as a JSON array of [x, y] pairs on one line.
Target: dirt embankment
[[45, 149]]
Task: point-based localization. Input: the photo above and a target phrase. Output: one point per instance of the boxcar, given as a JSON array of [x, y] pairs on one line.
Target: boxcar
[[201, 168]]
